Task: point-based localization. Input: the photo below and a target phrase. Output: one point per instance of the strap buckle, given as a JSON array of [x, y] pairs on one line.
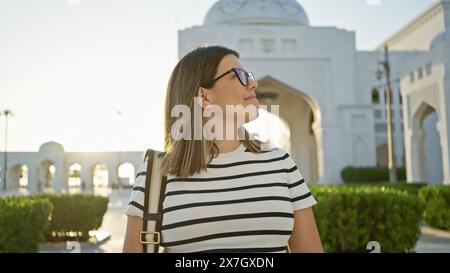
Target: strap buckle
[[143, 237]]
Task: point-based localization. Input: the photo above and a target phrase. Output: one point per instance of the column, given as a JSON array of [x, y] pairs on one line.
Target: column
[[87, 178], [32, 179]]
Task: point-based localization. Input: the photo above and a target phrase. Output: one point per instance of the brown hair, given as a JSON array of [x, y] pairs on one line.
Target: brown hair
[[184, 158]]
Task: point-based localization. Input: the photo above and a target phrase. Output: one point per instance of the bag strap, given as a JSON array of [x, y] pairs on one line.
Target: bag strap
[[155, 185], [162, 193]]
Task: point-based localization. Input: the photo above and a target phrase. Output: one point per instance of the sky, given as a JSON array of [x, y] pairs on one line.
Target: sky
[[92, 74]]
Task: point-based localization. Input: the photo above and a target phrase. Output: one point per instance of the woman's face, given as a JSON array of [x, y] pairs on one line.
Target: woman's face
[[229, 90]]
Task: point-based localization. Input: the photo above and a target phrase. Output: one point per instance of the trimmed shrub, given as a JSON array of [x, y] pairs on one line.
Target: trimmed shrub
[[75, 215], [23, 223], [348, 217], [412, 188], [437, 206], [357, 175]]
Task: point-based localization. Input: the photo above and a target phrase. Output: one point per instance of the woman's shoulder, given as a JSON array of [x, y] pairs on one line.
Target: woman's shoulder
[[267, 147], [272, 151]]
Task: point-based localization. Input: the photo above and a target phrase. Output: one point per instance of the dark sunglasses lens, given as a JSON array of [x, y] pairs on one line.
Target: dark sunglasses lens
[[242, 76]]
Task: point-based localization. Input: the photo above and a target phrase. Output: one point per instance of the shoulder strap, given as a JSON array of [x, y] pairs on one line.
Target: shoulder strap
[[155, 185]]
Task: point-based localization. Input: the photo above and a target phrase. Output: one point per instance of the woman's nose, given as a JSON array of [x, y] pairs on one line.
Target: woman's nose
[[252, 83]]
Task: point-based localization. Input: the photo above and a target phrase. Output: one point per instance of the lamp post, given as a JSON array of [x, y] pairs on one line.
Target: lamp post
[[6, 113], [120, 124], [385, 65]]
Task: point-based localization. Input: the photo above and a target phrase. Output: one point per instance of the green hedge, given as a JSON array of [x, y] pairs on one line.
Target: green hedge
[[437, 208], [357, 175], [75, 215], [412, 188], [348, 217], [23, 223]]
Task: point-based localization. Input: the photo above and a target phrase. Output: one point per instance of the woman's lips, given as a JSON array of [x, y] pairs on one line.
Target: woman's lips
[[252, 100]]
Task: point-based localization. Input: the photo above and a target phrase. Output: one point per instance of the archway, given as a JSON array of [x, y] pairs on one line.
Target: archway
[[46, 174], [24, 178], [270, 127], [432, 150], [18, 177], [301, 114], [74, 182], [427, 151], [126, 175], [101, 176]]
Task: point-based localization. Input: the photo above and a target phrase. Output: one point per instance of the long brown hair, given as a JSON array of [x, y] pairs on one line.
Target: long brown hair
[[184, 158]]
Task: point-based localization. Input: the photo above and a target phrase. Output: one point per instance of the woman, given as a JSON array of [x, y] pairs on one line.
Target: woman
[[228, 194]]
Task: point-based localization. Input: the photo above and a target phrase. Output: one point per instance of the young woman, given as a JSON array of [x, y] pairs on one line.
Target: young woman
[[230, 194]]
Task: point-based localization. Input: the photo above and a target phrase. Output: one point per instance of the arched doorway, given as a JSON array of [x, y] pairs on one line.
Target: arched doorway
[[46, 174], [24, 178], [74, 182], [270, 127], [301, 114], [427, 150], [433, 150], [101, 176], [126, 175], [18, 175]]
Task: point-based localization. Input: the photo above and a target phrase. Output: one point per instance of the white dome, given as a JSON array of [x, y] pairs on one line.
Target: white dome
[[442, 37], [266, 12], [51, 147]]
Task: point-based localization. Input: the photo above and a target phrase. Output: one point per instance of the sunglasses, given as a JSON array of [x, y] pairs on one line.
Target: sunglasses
[[243, 76]]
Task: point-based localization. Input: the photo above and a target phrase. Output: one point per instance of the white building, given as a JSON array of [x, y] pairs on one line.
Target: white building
[[328, 92], [54, 170]]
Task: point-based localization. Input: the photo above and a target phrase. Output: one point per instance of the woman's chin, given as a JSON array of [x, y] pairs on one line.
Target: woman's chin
[[253, 101]]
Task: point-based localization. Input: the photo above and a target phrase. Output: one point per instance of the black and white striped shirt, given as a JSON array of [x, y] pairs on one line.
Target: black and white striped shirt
[[243, 202]]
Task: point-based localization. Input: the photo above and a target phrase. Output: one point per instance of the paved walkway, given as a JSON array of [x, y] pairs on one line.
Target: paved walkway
[[114, 223], [433, 241]]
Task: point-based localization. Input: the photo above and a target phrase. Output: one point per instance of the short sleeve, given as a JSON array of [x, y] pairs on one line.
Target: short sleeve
[[136, 202], [301, 196]]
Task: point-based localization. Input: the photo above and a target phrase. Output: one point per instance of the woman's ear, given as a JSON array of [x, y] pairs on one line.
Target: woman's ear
[[204, 97]]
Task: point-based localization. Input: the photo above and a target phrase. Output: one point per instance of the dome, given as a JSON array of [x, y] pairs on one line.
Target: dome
[[442, 37], [51, 147], [260, 12]]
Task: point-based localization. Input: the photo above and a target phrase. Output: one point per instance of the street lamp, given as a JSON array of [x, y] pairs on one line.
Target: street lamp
[[120, 124], [6, 113], [386, 71]]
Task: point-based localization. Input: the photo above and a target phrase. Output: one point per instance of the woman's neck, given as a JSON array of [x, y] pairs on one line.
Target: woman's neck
[[227, 146]]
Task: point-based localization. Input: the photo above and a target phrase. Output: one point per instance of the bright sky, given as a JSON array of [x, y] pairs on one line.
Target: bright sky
[[68, 66]]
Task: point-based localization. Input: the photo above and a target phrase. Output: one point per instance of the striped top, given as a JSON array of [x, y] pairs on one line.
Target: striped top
[[243, 202]]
